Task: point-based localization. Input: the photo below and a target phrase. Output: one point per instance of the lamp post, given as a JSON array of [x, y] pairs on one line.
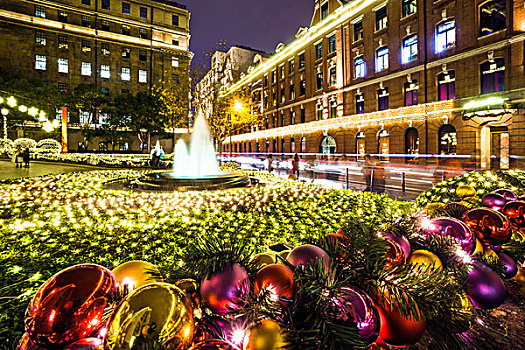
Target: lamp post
[[5, 112], [237, 107]]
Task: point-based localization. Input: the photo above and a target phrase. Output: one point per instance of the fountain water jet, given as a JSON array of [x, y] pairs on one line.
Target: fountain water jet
[[195, 168]]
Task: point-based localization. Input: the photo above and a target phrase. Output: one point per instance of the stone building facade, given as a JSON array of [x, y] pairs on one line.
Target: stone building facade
[[398, 78], [119, 46], [225, 69]]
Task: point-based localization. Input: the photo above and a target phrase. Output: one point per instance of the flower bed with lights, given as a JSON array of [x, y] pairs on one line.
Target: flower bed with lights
[[286, 263]]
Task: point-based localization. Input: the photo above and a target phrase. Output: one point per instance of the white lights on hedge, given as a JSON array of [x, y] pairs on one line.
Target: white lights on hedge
[[48, 126], [42, 114], [11, 101], [32, 111], [22, 109]]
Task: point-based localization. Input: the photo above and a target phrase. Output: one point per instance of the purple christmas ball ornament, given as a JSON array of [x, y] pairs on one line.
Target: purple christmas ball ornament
[[453, 228], [484, 287], [402, 241], [510, 269], [308, 254], [494, 201], [508, 194]]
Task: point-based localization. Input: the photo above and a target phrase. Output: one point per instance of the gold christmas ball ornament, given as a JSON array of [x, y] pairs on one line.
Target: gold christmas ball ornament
[[472, 201], [426, 258], [155, 315], [262, 259], [463, 312], [431, 207], [283, 254], [465, 191], [135, 274], [266, 335], [520, 277]]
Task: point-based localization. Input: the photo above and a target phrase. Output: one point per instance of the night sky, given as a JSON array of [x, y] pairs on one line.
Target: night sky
[[260, 24]]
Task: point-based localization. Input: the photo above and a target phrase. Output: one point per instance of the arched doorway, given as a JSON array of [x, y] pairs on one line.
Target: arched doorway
[[360, 146], [495, 146], [383, 145], [411, 145], [447, 138], [328, 146]]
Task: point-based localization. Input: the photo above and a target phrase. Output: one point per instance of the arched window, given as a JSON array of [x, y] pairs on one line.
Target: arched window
[[257, 147], [267, 146], [411, 144], [250, 147], [383, 145], [328, 146], [274, 146], [493, 76], [492, 17], [283, 143], [360, 146], [303, 144], [292, 145], [447, 139], [235, 148]]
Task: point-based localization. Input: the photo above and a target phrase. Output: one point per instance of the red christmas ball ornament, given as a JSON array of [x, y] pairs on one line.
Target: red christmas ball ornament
[[489, 226], [515, 212], [394, 255], [70, 305], [340, 233], [398, 330], [277, 279], [86, 344], [25, 343], [379, 344], [226, 290], [308, 254]]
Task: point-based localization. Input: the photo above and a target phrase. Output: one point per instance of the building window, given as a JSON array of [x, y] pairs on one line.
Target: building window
[[105, 25], [447, 140], [333, 109], [274, 76], [40, 11], [175, 20], [292, 117], [143, 55], [411, 93], [63, 65], [360, 103], [125, 8], [328, 146], [409, 49], [360, 142], [292, 92], [302, 88], [302, 61], [86, 2], [274, 98], [86, 21], [447, 86], [381, 18], [382, 99], [84, 117], [105, 71], [63, 42], [411, 144], [282, 118], [381, 59], [291, 67], [126, 74], [324, 10], [126, 30], [319, 111], [292, 145], [62, 16], [358, 30], [105, 4], [86, 68], [175, 79], [319, 81], [86, 46], [40, 62], [126, 52], [303, 115], [303, 144], [492, 17], [493, 76], [104, 49], [265, 80], [282, 71], [143, 12], [283, 97], [143, 76], [408, 7], [332, 78], [359, 63], [319, 51], [143, 33], [174, 61], [383, 145], [40, 38], [446, 35], [331, 44], [63, 87]]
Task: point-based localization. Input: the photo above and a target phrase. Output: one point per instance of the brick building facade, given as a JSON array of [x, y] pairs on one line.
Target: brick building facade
[[119, 46], [398, 78]]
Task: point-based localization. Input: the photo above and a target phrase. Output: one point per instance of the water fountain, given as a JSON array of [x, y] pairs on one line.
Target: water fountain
[[195, 168]]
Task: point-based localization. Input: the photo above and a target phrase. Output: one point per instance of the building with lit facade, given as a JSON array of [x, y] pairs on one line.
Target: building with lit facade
[[119, 46], [397, 78], [225, 69]]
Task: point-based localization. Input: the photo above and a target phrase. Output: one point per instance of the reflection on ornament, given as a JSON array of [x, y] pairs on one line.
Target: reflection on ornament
[[494, 201], [507, 194], [262, 259], [426, 258], [277, 280], [488, 225], [155, 315], [465, 191], [454, 228], [515, 212], [463, 312], [402, 241], [394, 254], [135, 274]]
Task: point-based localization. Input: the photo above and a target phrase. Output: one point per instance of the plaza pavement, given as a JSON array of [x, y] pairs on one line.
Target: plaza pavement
[[37, 168]]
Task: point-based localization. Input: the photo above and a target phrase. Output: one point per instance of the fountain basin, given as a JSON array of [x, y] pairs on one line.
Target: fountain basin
[[168, 182]]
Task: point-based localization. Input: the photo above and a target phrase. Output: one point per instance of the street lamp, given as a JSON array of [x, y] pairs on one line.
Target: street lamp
[[5, 112], [237, 107]]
